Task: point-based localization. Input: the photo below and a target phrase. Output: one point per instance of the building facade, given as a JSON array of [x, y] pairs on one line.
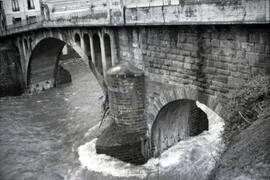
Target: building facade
[[21, 12]]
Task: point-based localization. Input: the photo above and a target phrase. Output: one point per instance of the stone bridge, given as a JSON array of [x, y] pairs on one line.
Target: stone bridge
[[186, 51], [40, 51]]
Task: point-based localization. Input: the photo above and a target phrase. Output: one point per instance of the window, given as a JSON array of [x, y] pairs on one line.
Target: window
[[31, 19], [30, 4], [17, 21], [15, 5]]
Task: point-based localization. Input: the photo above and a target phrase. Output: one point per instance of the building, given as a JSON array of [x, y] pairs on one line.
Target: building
[[20, 12], [2, 18]]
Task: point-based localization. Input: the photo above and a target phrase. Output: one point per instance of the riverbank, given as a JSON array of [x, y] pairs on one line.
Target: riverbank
[[247, 134]]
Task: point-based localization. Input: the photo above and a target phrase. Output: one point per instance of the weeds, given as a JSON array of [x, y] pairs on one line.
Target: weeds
[[245, 105]]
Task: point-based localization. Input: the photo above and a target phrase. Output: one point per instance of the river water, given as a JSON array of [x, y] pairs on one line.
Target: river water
[[52, 135], [40, 133]]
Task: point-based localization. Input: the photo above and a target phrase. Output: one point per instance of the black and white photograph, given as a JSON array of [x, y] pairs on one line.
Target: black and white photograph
[[134, 89]]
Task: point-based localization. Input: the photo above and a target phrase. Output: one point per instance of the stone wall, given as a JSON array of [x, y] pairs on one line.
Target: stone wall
[[63, 76], [202, 63], [125, 138], [11, 81], [195, 12]]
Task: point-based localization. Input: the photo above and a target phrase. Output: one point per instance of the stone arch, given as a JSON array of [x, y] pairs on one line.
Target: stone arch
[[11, 68], [77, 39], [87, 47], [167, 95], [176, 121], [97, 53], [45, 53], [158, 100], [42, 62], [108, 50]]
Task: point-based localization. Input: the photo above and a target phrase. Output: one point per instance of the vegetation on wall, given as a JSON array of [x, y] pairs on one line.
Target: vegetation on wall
[[246, 104]]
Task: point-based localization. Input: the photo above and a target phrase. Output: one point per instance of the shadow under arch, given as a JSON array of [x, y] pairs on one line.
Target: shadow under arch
[[176, 121], [44, 60]]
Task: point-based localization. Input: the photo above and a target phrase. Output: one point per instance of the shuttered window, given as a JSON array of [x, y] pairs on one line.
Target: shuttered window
[[15, 5], [30, 4]]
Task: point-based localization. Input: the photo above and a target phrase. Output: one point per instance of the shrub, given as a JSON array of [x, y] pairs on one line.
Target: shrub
[[246, 104]]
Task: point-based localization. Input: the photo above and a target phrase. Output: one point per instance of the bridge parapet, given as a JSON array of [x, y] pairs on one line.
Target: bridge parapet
[[91, 13], [150, 12], [166, 12]]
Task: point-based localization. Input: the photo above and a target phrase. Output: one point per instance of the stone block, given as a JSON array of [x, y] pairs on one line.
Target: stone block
[[215, 42], [259, 48]]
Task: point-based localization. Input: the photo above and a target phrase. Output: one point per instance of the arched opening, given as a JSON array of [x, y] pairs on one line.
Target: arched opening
[[30, 43], [175, 122], [25, 45], [77, 39], [86, 41], [97, 53], [108, 50], [44, 67], [41, 68]]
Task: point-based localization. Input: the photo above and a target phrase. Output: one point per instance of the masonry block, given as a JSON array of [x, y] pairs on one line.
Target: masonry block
[[124, 139]]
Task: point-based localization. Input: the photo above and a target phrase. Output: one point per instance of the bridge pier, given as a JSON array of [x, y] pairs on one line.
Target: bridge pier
[[125, 138]]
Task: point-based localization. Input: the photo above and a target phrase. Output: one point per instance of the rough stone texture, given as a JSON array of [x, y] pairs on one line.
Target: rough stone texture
[[40, 51], [126, 97], [195, 12], [11, 82], [125, 138], [43, 60], [122, 145], [146, 12], [202, 63]]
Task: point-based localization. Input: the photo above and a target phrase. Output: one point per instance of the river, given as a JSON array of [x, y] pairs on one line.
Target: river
[[40, 133], [52, 135]]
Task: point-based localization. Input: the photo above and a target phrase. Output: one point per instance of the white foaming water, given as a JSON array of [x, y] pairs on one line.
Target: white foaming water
[[193, 158]]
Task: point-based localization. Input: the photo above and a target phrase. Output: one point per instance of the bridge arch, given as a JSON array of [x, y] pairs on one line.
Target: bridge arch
[[11, 68], [77, 39], [176, 98], [44, 59], [87, 46], [176, 121], [97, 53], [108, 50]]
